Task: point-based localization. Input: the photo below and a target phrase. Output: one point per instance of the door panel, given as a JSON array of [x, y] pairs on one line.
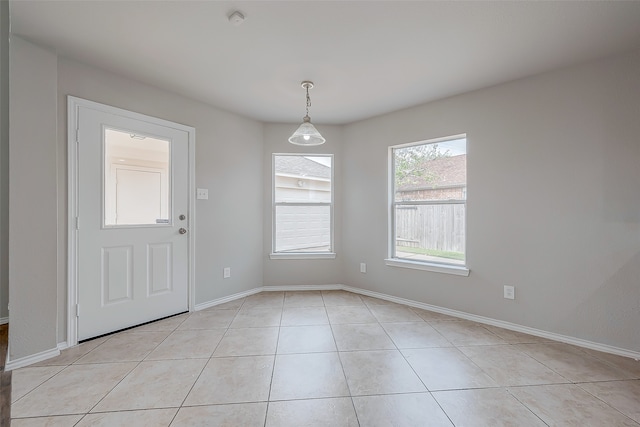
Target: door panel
[[117, 274], [159, 264], [132, 260]]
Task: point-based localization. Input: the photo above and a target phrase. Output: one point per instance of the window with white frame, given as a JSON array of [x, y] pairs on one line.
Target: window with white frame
[[428, 203], [302, 204]]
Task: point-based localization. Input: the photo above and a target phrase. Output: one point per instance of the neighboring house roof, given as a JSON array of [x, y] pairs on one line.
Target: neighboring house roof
[[441, 172], [301, 166]]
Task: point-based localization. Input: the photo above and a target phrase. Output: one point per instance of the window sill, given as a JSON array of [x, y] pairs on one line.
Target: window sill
[[458, 270], [307, 255]]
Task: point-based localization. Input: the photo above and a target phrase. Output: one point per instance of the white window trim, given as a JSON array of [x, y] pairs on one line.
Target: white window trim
[[330, 254], [392, 261], [302, 255], [458, 270]]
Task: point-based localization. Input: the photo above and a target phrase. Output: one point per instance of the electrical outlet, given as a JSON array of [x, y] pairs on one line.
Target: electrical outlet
[[202, 194], [509, 292], [363, 267], [226, 272]]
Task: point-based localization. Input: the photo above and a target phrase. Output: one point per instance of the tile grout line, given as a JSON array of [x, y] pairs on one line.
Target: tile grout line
[[344, 374], [463, 354], [273, 367], [64, 367], [414, 371], [127, 374], [606, 403], [205, 365], [526, 406], [514, 345]]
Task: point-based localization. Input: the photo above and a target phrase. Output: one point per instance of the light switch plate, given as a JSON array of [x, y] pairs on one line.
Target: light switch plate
[[202, 194], [509, 292], [226, 272]]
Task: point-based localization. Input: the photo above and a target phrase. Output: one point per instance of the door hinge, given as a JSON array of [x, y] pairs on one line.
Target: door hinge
[[77, 310], [77, 223], [77, 135]]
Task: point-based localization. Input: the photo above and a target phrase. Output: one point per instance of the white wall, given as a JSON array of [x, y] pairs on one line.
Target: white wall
[[553, 201], [4, 159], [33, 230], [228, 163], [298, 271], [553, 206]]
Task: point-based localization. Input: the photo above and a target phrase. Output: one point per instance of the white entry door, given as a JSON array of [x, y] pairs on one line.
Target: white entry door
[[132, 220]]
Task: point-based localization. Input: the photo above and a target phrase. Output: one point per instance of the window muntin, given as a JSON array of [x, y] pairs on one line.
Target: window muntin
[[429, 187], [302, 204]]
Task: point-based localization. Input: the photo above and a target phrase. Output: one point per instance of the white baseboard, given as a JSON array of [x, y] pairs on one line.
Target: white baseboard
[[4, 320], [292, 288], [29, 360], [257, 290], [501, 324], [230, 298], [455, 313]]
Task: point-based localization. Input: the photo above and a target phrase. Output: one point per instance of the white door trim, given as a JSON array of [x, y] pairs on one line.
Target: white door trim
[[73, 105]]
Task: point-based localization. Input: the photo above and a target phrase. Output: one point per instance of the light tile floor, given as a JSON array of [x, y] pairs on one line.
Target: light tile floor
[[328, 358]]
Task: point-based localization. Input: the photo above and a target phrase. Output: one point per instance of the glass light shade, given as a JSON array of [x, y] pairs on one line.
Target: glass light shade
[[306, 134]]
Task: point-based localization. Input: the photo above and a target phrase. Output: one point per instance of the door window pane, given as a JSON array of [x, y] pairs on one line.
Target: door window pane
[[136, 179]]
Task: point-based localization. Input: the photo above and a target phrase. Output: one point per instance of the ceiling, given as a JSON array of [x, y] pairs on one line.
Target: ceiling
[[366, 58]]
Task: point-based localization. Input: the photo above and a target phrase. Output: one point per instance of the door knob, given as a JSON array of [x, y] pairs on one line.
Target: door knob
[[182, 217], [182, 231]]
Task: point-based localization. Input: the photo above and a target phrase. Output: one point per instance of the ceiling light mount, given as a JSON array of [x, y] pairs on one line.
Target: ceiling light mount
[[307, 134], [236, 18]]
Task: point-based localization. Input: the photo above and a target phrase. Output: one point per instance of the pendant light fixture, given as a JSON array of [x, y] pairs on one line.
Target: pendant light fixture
[[307, 134]]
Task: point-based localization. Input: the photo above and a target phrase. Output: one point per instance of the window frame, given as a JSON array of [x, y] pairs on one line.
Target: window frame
[[433, 266], [330, 254]]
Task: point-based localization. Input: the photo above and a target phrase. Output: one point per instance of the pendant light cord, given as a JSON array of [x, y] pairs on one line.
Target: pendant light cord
[[308, 101]]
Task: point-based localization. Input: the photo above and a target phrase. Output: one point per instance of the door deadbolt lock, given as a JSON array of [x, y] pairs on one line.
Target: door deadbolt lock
[[182, 217], [182, 231]]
